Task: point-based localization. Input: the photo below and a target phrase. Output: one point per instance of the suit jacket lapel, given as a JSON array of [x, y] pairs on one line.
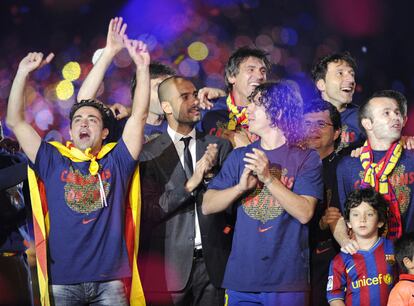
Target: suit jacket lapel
[[201, 146], [170, 157]]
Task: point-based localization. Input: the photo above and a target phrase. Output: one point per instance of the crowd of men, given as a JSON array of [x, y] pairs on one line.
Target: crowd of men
[[199, 197]]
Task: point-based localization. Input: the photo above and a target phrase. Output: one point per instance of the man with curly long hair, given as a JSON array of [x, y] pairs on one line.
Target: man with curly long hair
[[274, 186]]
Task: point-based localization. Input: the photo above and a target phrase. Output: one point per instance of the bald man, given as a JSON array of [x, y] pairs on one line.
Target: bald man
[[183, 253]]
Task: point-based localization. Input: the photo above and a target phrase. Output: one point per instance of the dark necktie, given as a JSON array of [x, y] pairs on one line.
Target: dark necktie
[[188, 160]]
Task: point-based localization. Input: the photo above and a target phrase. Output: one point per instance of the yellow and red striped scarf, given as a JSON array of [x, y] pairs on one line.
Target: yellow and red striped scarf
[[376, 176], [41, 220], [236, 117]]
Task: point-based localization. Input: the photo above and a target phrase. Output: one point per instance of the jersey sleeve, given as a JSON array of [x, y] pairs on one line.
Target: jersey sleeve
[[309, 179], [336, 287], [230, 172]]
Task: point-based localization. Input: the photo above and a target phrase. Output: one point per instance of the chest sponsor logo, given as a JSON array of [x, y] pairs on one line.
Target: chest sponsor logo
[[82, 191], [261, 205], [372, 281]]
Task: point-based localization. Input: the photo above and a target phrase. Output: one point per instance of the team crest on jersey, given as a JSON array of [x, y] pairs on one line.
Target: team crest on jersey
[[390, 259], [82, 191], [399, 181], [347, 137], [260, 204]]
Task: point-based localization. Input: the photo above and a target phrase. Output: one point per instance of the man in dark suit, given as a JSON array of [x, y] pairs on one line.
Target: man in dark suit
[[182, 253]]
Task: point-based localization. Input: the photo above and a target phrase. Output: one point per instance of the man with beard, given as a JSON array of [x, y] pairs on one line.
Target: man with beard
[[383, 164], [245, 70], [182, 253]]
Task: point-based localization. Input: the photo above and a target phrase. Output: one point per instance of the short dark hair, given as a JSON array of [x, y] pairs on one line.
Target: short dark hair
[[284, 107], [364, 111], [371, 197], [319, 105], [404, 247], [321, 66], [156, 70], [106, 114], [241, 54]]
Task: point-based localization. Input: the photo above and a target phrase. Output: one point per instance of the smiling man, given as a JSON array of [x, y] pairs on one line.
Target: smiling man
[[245, 70], [274, 186], [334, 77], [323, 128], [80, 223], [383, 164]]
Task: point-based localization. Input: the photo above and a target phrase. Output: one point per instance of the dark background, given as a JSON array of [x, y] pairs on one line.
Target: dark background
[[378, 34]]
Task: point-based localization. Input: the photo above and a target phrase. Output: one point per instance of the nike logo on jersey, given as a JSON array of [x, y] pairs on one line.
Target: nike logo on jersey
[[86, 221], [320, 251], [350, 268], [262, 230]]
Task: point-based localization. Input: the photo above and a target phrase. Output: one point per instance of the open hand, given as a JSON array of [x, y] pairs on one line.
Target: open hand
[[115, 36], [208, 160], [208, 93], [247, 180], [258, 163], [138, 51]]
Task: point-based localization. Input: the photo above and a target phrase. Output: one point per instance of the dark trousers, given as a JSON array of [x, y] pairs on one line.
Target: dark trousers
[[15, 281], [198, 291], [321, 258]]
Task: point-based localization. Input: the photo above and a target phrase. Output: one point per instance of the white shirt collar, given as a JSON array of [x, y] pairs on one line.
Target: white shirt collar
[[176, 137]]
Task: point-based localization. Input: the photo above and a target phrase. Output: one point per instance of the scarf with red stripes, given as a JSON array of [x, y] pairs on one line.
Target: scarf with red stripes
[[376, 175]]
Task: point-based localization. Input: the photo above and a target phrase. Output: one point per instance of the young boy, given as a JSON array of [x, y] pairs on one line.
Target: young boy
[[365, 278], [403, 292]]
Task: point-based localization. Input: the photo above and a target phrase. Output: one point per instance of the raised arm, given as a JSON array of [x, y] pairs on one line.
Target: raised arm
[[26, 135], [114, 44], [133, 134]]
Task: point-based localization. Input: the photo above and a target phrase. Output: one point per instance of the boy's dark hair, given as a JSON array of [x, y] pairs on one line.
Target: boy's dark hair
[[241, 54], [319, 105], [365, 112], [106, 114], [371, 197], [321, 67], [156, 70], [404, 247]]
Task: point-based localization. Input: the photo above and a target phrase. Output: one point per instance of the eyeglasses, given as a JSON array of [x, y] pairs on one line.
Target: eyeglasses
[[320, 124]]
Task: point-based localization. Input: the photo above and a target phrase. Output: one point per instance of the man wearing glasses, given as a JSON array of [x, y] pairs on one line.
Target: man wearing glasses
[[323, 128]]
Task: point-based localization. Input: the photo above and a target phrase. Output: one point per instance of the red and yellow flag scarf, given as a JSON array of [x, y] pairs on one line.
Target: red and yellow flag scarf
[[41, 220], [236, 117], [376, 176]]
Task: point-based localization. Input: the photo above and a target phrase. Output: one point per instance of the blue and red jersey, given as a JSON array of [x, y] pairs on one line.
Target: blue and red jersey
[[365, 278]]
